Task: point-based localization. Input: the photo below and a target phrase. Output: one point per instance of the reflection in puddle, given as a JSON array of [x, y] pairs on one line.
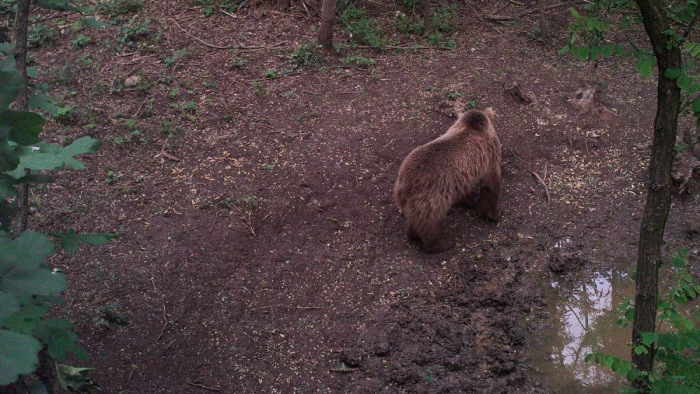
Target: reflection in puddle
[[581, 321]]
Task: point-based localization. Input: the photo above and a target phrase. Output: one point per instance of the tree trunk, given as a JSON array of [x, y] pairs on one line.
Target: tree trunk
[[427, 16], [325, 34], [21, 26], [659, 186]]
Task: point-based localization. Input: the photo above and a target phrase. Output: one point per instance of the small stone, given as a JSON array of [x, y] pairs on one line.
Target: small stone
[[132, 81]]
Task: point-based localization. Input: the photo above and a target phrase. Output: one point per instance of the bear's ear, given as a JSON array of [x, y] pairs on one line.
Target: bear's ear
[[490, 114]]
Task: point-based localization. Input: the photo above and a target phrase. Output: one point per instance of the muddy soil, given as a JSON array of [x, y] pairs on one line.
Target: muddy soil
[[260, 249]]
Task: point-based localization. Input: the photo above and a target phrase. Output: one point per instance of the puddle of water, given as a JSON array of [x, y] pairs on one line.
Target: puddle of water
[[581, 321]]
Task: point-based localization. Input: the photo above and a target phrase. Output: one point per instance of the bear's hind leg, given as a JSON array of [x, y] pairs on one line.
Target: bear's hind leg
[[490, 191]]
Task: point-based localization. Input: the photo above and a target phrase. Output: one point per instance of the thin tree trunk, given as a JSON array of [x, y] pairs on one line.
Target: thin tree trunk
[[427, 17], [46, 370], [543, 20], [21, 26], [325, 34], [659, 187]]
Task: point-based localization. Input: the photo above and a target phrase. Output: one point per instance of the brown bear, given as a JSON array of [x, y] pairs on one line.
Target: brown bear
[[446, 172]]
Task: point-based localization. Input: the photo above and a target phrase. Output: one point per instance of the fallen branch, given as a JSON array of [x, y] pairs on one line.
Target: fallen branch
[[227, 46], [502, 18], [165, 313], [546, 189], [396, 47], [288, 307], [343, 370], [168, 156]]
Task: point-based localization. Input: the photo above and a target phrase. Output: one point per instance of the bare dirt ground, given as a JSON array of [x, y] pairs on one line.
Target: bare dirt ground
[[262, 252]]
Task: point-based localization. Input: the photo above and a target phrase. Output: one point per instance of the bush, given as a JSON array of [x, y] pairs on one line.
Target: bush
[[306, 55], [362, 30]]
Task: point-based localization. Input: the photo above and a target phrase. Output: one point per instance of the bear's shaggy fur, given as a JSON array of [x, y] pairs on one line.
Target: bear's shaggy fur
[[445, 172]]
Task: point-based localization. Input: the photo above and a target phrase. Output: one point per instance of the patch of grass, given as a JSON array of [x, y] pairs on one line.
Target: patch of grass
[[311, 115], [40, 34], [444, 19], [435, 38], [358, 61], [189, 107], [407, 26], [270, 74], [306, 55], [362, 30], [258, 88], [81, 41], [454, 95], [177, 55], [237, 63], [119, 7], [111, 315], [64, 115], [209, 7], [137, 35], [174, 93]]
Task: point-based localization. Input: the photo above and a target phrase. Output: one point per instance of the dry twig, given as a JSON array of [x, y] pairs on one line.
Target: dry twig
[[546, 189], [202, 386]]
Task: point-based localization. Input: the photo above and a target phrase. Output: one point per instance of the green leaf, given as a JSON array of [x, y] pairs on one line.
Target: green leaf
[[82, 145], [94, 23], [9, 304], [672, 73], [42, 101], [58, 338], [36, 246], [24, 126], [621, 51], [10, 86], [640, 349], [26, 319], [18, 355], [8, 64], [574, 13], [42, 161], [648, 338], [32, 72], [59, 5], [629, 314], [579, 52], [696, 51], [7, 187], [645, 67], [684, 82], [607, 50], [70, 241], [75, 380], [20, 270]]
